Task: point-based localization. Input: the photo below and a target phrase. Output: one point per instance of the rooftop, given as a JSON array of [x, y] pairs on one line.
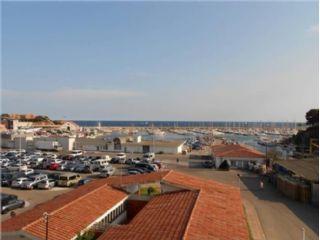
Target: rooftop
[[236, 150], [69, 213], [304, 168], [203, 210], [165, 217]]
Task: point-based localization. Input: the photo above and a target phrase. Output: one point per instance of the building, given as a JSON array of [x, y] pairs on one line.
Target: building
[[161, 205], [172, 147], [236, 155], [128, 144], [68, 126], [17, 141], [298, 179], [91, 144], [65, 143]]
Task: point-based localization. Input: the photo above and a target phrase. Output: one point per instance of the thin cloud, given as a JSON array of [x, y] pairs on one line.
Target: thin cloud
[[313, 29], [95, 94]]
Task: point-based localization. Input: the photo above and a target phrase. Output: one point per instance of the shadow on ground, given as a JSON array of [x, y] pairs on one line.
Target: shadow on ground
[[308, 213]]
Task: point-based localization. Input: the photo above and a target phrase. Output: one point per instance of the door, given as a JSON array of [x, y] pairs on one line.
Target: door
[[145, 148]]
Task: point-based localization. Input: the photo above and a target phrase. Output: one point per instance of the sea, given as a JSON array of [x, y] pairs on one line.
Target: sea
[[248, 140]]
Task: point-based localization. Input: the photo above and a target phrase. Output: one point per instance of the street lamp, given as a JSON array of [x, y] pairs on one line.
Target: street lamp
[[46, 220]]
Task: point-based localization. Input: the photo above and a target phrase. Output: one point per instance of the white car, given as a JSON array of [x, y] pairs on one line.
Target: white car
[[106, 172], [33, 181], [121, 157], [27, 171], [46, 184], [18, 182], [149, 156], [76, 153]]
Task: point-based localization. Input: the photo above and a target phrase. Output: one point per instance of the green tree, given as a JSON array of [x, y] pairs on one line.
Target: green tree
[[312, 117]]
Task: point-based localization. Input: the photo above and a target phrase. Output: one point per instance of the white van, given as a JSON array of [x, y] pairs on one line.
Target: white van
[[98, 164]]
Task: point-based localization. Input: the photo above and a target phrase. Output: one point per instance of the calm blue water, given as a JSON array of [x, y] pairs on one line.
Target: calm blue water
[[105, 123]]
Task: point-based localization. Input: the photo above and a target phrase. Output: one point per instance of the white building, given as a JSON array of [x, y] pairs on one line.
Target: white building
[[236, 155], [54, 143], [128, 144], [69, 126]]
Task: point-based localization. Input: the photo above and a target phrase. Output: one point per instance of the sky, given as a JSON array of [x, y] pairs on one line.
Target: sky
[[193, 61]]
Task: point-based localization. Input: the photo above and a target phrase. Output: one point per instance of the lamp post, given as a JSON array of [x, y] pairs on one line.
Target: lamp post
[[46, 220]]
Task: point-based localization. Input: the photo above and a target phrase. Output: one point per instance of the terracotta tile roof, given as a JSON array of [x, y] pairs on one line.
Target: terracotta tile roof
[[235, 150], [164, 217], [69, 213], [218, 212]]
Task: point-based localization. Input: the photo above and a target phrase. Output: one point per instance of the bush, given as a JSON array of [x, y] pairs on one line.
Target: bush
[[89, 235]]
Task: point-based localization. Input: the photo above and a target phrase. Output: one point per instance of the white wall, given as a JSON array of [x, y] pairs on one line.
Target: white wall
[[219, 160]]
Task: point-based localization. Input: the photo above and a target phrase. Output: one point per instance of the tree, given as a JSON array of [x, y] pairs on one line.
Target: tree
[[312, 117]]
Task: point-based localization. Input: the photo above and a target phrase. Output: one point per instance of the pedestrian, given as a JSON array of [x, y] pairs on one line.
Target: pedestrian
[[177, 160], [12, 214], [261, 184]]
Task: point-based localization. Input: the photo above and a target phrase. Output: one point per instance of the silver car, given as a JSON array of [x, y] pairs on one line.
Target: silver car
[[47, 184]]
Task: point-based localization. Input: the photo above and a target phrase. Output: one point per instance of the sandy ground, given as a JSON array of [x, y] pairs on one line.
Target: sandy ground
[[280, 217]]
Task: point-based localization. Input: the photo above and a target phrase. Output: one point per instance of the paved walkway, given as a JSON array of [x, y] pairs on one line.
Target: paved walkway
[[253, 220]]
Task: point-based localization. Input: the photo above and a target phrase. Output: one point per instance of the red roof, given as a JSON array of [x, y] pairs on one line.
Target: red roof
[[215, 212], [164, 217], [69, 213], [236, 151], [218, 212]]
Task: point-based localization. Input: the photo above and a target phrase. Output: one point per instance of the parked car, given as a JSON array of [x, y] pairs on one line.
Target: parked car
[[145, 165], [54, 166], [69, 179], [121, 157], [106, 172], [10, 202], [140, 170], [208, 164], [27, 171], [18, 182], [76, 153], [33, 181], [99, 163], [150, 156], [114, 160], [46, 184], [133, 172], [131, 161], [84, 181], [6, 179]]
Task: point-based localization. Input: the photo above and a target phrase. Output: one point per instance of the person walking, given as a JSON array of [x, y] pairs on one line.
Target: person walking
[[261, 184]]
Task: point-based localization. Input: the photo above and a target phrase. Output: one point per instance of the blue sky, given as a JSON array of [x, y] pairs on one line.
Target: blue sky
[[160, 60]]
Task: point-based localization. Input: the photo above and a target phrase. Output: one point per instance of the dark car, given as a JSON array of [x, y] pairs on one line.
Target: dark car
[[208, 164], [145, 166], [114, 160], [10, 202], [84, 181], [140, 170]]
